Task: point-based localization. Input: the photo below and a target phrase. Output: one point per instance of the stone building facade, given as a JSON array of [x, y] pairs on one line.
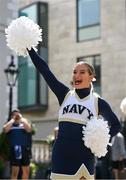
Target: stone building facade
[[8, 11], [64, 50]]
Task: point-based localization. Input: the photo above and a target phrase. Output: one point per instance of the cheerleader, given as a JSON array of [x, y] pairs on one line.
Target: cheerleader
[[81, 135], [71, 159]]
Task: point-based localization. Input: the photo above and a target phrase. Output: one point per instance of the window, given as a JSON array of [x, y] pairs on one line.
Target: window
[[32, 89], [95, 61], [88, 19]]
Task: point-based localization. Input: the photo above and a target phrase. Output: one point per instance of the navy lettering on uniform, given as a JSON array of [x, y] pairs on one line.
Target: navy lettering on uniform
[[65, 109], [81, 108], [77, 108], [90, 114], [73, 109]]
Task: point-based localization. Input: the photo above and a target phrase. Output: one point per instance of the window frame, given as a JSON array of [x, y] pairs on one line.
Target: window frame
[[37, 106], [88, 26]]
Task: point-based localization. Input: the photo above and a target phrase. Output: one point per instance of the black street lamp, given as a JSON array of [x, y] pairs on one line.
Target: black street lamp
[[11, 74]]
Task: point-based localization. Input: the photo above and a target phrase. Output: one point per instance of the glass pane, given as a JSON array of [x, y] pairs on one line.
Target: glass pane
[[88, 19], [97, 66], [44, 24], [27, 71], [89, 33], [43, 85], [29, 94], [31, 12], [88, 12], [26, 83]]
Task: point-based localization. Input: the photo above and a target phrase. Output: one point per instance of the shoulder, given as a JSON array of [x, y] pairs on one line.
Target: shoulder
[[68, 94], [119, 135], [103, 106], [103, 103], [71, 92], [96, 95], [24, 120]]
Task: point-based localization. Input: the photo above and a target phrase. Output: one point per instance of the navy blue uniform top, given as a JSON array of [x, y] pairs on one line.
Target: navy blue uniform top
[[18, 136], [69, 141]]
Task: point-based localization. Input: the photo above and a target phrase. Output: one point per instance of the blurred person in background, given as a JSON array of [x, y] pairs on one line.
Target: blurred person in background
[[18, 131], [118, 154]]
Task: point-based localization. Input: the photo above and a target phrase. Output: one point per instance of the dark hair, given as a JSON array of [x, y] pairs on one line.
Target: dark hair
[[15, 110]]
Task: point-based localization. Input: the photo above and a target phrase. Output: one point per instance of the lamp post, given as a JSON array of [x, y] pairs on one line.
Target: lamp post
[[11, 74]]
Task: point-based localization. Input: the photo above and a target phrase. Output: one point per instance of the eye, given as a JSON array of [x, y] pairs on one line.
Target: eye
[[82, 72], [74, 72]]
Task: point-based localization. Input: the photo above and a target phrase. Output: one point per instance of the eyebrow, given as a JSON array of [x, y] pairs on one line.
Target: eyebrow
[[82, 70]]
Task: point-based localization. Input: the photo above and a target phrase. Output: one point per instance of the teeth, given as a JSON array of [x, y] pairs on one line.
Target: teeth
[[77, 82]]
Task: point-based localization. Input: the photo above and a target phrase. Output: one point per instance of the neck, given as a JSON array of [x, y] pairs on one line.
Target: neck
[[83, 92]]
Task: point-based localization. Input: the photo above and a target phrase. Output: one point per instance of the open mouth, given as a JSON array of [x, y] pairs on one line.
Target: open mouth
[[77, 82]]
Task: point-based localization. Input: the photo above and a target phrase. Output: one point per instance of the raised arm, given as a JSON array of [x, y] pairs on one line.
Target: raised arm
[[8, 125], [26, 124], [106, 111], [56, 86]]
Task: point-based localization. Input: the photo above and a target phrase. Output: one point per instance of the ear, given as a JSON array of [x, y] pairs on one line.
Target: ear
[[91, 77]]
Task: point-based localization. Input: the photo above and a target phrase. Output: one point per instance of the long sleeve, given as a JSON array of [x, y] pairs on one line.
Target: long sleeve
[[107, 113], [58, 88], [122, 150], [118, 148]]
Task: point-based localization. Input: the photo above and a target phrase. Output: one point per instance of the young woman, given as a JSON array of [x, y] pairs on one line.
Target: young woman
[[70, 158]]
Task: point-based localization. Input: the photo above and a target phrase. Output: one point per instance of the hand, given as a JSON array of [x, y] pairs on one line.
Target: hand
[[12, 121], [22, 120], [26, 124]]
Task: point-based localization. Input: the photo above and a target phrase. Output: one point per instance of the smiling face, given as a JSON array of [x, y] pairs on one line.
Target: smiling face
[[83, 75]]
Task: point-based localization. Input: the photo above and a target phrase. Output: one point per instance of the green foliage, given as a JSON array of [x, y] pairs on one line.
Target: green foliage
[[33, 131], [4, 146], [39, 170], [43, 168], [33, 170], [50, 139]]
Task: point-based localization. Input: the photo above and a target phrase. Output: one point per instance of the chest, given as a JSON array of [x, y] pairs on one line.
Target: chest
[[78, 109]]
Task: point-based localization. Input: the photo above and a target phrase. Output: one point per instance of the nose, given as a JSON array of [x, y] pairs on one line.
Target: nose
[[77, 75]]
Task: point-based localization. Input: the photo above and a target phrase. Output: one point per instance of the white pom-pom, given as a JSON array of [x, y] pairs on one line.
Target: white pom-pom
[[22, 34], [96, 136], [123, 106]]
